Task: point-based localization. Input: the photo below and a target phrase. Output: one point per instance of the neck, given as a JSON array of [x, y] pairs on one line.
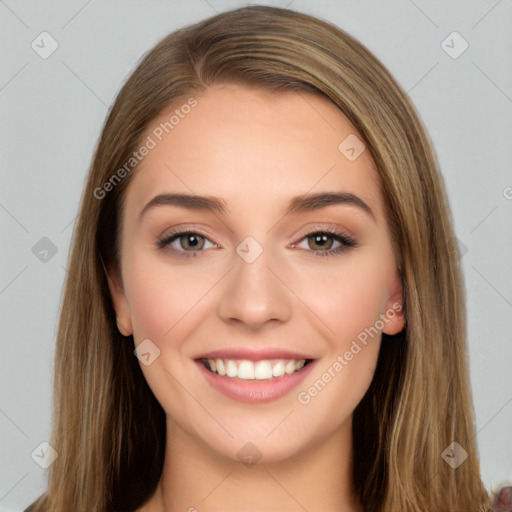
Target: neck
[[195, 478]]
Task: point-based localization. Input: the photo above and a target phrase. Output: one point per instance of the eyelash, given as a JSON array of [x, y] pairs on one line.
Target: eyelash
[[166, 240], [346, 242]]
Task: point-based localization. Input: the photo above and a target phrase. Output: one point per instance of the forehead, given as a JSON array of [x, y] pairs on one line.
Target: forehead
[[244, 144]]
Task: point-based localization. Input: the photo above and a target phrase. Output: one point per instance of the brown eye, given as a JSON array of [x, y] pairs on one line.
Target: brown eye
[[325, 243], [192, 241], [320, 241], [186, 241]]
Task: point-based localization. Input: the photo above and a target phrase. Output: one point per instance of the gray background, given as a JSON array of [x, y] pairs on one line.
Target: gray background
[[52, 111]]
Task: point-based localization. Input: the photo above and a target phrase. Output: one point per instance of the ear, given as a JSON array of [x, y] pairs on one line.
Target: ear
[[394, 314], [121, 306]]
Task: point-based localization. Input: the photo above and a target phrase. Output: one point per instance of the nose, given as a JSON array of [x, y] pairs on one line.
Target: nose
[[254, 296]]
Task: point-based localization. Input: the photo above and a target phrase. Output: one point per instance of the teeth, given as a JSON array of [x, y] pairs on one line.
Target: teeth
[[250, 370], [278, 369], [219, 363], [263, 370], [289, 367], [231, 368], [245, 370]]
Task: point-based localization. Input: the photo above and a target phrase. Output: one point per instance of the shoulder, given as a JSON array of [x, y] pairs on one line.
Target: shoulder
[[503, 501]]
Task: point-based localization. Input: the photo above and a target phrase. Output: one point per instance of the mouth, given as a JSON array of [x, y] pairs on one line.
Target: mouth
[[245, 369], [254, 381]]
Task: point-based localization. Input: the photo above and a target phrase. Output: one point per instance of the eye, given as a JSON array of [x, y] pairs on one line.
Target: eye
[[186, 241], [325, 243]]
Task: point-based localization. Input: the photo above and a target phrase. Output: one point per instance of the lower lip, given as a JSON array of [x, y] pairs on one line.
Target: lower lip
[[255, 391]]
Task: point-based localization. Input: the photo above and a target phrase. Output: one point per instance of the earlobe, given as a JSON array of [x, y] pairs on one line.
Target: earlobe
[[123, 330], [394, 314], [121, 306]]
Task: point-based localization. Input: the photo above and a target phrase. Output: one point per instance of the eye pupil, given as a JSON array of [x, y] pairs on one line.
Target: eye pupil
[[192, 242], [320, 241]]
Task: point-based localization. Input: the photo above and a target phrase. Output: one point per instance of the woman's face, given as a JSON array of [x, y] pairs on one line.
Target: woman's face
[[254, 236]]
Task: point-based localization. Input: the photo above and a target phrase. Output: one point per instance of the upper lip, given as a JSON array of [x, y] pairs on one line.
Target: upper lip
[[253, 354]]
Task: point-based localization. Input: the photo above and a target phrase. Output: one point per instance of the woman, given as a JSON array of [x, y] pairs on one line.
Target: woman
[[264, 308]]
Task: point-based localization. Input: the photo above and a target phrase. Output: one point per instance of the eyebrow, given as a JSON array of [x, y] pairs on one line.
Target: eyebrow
[[189, 201], [308, 202], [302, 203]]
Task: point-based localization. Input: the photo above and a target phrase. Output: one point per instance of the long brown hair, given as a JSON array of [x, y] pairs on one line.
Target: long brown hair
[[109, 430]]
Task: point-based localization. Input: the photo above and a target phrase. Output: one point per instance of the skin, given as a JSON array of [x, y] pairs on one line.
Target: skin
[[256, 150]]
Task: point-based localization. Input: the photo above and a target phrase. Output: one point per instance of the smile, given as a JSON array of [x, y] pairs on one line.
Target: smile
[[254, 381], [254, 370]]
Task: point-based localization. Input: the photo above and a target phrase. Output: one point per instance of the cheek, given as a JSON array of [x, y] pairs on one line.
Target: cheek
[[161, 296], [151, 301], [349, 301], [348, 297]]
